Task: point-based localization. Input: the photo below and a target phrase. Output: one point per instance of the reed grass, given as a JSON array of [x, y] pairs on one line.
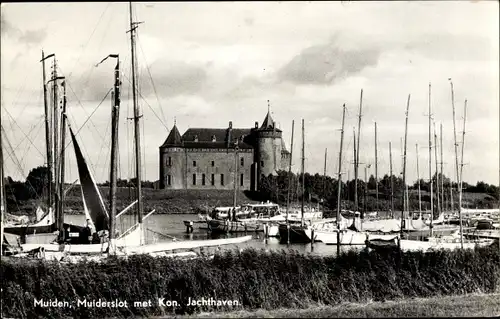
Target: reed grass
[[256, 279]]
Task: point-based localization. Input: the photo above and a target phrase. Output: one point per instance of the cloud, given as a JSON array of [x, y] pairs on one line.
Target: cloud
[[170, 78], [327, 63], [173, 78], [449, 47], [28, 37]]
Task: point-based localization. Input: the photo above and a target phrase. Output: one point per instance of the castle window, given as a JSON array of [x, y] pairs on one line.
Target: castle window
[[213, 163], [196, 138], [203, 179], [213, 138], [194, 163], [241, 180], [169, 161], [242, 160], [194, 179], [213, 179], [222, 179], [262, 163], [169, 180]]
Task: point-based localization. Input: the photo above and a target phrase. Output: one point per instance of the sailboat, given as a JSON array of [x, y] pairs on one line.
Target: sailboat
[[50, 226], [132, 240]]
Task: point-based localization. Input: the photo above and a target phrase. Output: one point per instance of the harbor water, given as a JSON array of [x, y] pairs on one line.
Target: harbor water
[[166, 227]]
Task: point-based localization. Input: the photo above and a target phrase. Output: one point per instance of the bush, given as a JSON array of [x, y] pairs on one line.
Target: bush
[[256, 279]]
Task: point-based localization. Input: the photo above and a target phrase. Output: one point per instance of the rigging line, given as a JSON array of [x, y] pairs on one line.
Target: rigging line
[[88, 41], [106, 160], [27, 150], [144, 150], [80, 104], [152, 110], [18, 166], [19, 91], [26, 105], [22, 141], [8, 113], [29, 146], [84, 86], [152, 82], [84, 151], [88, 118], [103, 144]]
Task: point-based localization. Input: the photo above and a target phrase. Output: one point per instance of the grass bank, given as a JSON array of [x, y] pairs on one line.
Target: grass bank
[[163, 201], [253, 279], [450, 306]]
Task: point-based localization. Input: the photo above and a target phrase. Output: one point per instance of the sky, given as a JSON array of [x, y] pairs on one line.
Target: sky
[[203, 64]]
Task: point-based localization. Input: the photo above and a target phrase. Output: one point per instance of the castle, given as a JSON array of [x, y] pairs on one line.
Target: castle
[[213, 158]]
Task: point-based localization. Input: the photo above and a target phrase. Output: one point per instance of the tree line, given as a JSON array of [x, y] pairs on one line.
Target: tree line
[[317, 189], [35, 185], [324, 189]]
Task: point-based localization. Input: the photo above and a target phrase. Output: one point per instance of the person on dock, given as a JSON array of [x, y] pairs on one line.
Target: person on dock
[[86, 234]]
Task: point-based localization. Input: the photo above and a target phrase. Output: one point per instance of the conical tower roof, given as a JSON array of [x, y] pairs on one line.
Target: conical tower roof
[[174, 138], [268, 122]]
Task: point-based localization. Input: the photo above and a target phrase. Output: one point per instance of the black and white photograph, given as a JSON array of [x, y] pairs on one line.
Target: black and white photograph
[[250, 159]]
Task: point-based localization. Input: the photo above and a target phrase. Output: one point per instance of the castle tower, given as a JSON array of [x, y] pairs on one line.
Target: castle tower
[[268, 147], [172, 161]]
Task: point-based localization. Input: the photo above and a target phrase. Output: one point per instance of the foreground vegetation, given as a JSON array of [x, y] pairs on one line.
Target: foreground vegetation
[[255, 279], [476, 305]]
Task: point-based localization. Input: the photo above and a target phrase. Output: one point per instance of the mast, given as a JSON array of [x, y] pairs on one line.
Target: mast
[[289, 174], [3, 206], [418, 182], [56, 139], [392, 181], [376, 169], [48, 137], [456, 146], [324, 177], [236, 177], [355, 174], [404, 164], [451, 194], [356, 155], [443, 206], [461, 178], [430, 163], [401, 172], [366, 188], [113, 172], [303, 179], [137, 132], [60, 216], [438, 207], [339, 188], [289, 184]]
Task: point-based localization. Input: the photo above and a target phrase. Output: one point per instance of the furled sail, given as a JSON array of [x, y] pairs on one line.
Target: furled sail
[[92, 199]]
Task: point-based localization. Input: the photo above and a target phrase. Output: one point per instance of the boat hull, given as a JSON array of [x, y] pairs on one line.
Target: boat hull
[[415, 245], [298, 234], [348, 237], [225, 226]]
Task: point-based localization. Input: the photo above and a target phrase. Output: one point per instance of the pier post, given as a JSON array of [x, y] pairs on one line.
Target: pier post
[[312, 239], [288, 234]]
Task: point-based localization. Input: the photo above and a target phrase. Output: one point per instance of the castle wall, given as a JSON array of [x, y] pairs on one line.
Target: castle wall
[[268, 152], [223, 164], [285, 161], [173, 161]]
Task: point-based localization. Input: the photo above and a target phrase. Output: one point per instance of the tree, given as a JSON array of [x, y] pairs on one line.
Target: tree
[[37, 181], [371, 182]]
